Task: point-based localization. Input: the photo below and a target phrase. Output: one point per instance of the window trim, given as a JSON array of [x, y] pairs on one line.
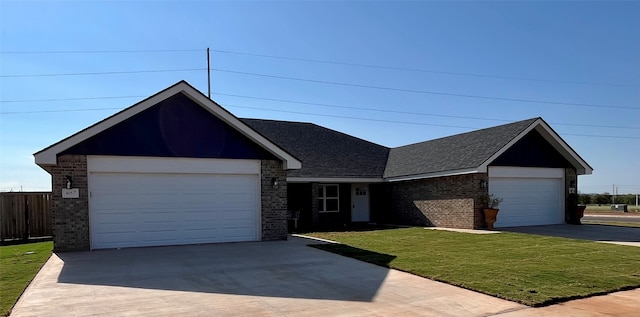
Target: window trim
[[322, 200]]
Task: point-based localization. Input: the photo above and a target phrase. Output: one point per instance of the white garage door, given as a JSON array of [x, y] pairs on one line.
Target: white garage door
[[159, 201], [532, 196]]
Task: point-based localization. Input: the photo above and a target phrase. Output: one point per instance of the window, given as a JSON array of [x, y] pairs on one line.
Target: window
[[328, 200]]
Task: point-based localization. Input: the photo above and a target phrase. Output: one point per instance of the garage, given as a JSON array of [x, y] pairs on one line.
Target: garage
[[174, 168], [150, 201], [532, 196]]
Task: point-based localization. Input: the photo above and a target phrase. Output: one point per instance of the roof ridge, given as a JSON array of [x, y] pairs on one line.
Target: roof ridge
[[274, 120], [320, 127], [462, 151], [469, 132]]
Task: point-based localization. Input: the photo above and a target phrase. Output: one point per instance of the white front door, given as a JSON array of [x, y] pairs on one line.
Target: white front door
[[360, 202]]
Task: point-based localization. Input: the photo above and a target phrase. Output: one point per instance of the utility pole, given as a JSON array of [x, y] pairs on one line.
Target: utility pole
[[613, 194], [208, 74]]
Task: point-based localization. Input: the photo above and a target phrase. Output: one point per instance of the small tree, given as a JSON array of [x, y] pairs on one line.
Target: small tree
[[627, 199], [490, 201], [601, 199]]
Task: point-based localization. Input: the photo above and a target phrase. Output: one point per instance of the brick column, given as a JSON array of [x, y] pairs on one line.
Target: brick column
[[274, 201], [478, 193], [315, 213], [70, 215], [570, 176]]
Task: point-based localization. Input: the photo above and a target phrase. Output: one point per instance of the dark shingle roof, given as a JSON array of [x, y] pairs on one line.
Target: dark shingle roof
[[462, 151], [324, 153]]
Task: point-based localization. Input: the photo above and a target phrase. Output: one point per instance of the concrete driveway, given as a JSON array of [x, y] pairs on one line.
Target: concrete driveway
[[283, 278], [600, 233]]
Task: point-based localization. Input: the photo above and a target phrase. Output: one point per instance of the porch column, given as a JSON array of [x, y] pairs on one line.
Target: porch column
[[315, 214]]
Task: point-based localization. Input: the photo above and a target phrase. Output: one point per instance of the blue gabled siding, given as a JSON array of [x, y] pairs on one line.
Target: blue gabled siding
[[532, 151], [175, 127]]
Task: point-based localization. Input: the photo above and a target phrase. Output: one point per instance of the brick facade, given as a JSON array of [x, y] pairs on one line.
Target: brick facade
[[315, 214], [274, 201], [570, 178], [450, 201], [449, 213], [70, 215]]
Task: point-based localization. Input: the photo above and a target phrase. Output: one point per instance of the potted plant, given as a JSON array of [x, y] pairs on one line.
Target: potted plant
[[490, 209], [576, 212]]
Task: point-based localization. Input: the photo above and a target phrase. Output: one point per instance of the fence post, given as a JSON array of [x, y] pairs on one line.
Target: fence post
[[25, 236], [2, 218]]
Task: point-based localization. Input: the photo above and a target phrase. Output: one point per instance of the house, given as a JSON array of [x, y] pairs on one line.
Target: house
[[177, 168]]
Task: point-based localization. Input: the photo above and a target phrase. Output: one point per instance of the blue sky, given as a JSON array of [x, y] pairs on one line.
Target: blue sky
[[434, 61]]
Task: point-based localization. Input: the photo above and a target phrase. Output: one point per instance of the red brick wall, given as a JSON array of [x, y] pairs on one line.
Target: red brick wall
[[449, 213], [450, 201]]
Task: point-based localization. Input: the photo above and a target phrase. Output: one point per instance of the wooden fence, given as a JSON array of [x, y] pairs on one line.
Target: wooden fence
[[25, 214]]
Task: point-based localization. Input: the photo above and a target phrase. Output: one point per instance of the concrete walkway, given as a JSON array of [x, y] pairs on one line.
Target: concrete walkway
[[283, 278], [620, 304]]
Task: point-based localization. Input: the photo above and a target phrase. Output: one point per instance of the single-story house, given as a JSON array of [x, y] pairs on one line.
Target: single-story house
[[177, 168]]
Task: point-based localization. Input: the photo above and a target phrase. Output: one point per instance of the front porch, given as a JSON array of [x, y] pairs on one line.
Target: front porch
[[334, 206]]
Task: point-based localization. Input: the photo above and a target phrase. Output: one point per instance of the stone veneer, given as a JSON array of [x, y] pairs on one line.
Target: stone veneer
[[450, 201], [71, 215]]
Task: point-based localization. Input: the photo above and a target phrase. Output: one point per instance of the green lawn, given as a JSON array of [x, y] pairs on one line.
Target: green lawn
[[528, 269], [18, 266]]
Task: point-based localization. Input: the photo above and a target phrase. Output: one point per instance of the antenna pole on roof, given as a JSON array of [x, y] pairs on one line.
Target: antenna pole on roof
[[208, 74]]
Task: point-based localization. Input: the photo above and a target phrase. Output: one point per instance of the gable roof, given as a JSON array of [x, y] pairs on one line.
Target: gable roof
[[328, 155], [48, 156], [471, 152]]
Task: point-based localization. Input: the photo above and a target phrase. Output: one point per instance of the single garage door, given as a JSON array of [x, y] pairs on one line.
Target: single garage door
[[532, 196], [171, 201]]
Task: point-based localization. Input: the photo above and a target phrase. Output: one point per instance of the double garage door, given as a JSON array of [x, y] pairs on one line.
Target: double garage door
[[168, 201], [532, 196]]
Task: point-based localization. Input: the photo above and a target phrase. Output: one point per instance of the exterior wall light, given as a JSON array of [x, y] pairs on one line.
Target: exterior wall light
[[572, 187], [68, 182], [483, 183], [274, 182]]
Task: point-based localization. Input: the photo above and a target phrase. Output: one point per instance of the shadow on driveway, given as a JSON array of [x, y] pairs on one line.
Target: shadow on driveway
[[282, 278], [600, 233], [274, 269]]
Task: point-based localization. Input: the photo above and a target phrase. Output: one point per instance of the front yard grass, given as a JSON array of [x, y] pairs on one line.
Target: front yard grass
[[529, 269], [18, 266]]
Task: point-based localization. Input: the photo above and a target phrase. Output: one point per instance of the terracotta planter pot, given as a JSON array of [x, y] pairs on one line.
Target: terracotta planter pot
[[490, 215], [577, 214]]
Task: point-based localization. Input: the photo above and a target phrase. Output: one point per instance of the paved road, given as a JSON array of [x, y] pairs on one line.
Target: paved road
[[616, 218], [608, 234]]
